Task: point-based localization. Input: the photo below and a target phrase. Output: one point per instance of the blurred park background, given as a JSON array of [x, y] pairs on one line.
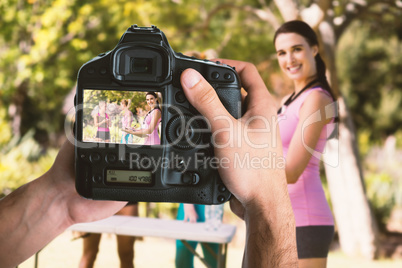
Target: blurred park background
[[44, 43]]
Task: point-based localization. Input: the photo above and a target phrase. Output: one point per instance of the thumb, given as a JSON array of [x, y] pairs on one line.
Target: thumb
[[202, 95]]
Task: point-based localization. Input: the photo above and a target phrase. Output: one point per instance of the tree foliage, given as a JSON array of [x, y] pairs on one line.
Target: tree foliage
[[369, 70], [44, 43]]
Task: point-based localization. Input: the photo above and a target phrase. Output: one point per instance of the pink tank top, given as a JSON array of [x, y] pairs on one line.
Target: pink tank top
[[307, 196], [152, 138]]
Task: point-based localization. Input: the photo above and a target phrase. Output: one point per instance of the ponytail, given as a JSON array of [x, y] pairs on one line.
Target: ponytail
[[321, 75]]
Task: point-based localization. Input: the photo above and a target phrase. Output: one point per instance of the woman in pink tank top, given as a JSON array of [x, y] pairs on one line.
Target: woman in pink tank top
[[101, 121], [151, 121], [304, 128]]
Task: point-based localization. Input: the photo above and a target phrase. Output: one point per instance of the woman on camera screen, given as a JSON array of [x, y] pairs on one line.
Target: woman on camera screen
[[126, 120], [304, 127], [101, 121], [151, 121]]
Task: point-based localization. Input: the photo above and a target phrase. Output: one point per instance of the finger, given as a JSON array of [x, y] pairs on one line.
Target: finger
[[202, 95], [246, 70], [237, 207], [257, 93]]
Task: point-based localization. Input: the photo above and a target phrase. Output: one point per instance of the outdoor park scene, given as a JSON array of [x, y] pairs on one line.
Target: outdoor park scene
[[116, 114], [43, 44]]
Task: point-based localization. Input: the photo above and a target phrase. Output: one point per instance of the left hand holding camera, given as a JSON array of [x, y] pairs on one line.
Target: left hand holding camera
[[37, 212]]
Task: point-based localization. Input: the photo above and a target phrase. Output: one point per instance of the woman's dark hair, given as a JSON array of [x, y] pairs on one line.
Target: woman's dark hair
[[125, 102], [156, 97], [156, 106], [303, 29]]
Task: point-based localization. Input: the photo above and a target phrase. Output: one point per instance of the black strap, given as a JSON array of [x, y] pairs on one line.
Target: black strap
[[291, 98]]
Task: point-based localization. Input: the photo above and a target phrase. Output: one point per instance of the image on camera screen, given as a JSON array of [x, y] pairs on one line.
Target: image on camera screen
[[122, 117]]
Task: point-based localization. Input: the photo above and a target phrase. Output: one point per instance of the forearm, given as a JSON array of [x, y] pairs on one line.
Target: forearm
[[31, 216], [271, 231], [140, 133]]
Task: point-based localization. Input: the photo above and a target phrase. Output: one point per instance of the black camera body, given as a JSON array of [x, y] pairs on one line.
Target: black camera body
[[180, 167]]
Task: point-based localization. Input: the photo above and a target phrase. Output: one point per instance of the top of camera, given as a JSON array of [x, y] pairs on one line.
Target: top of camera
[[142, 55]]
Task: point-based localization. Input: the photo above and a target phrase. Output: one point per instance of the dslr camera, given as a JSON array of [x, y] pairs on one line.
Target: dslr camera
[[137, 136]]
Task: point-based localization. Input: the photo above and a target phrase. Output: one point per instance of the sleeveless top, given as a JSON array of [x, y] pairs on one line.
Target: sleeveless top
[[153, 138], [104, 127], [127, 118], [307, 196]]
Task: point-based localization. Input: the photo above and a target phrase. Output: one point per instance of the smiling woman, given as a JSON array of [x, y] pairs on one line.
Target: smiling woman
[[304, 128], [296, 58]]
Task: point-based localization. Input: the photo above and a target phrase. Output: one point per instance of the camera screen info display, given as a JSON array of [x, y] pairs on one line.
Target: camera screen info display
[[115, 116], [129, 176]]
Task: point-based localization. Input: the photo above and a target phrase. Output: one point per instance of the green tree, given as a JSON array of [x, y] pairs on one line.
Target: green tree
[[44, 43], [374, 99], [331, 19]]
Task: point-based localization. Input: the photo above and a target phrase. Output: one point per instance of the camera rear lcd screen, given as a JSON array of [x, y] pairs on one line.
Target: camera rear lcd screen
[[121, 117], [141, 65], [129, 176]]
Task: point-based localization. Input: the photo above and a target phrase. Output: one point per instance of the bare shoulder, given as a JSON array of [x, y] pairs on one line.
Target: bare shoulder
[[317, 99]]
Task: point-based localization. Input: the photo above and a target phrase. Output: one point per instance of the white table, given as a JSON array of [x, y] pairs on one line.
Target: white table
[[180, 230]]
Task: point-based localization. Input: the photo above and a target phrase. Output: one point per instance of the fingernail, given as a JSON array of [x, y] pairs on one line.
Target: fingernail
[[191, 78]]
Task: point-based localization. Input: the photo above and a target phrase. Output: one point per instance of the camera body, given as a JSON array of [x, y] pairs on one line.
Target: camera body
[[178, 165]]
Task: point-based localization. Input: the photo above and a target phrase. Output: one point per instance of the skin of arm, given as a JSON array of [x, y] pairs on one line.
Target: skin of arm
[[307, 133], [146, 131], [96, 123], [190, 214], [37, 212], [261, 196]]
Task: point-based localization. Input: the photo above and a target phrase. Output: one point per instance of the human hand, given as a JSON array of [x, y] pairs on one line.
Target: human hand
[[40, 210], [78, 209], [190, 214], [254, 137]]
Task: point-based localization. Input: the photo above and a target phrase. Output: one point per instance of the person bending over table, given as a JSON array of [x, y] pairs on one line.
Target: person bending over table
[[125, 243], [184, 257], [36, 213]]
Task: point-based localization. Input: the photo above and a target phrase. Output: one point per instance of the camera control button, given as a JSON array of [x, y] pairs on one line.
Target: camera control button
[[221, 199], [179, 97], [91, 70], [103, 71], [215, 75], [228, 76], [111, 158], [190, 178], [95, 157], [221, 188], [97, 178]]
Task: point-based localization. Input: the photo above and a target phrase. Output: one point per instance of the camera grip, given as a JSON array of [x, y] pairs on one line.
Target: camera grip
[[231, 100]]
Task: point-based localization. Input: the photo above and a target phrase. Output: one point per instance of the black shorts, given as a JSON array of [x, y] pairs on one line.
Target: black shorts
[[314, 241], [104, 135]]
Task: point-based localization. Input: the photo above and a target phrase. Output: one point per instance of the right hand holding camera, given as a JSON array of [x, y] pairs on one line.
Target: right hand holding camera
[[246, 184], [260, 194]]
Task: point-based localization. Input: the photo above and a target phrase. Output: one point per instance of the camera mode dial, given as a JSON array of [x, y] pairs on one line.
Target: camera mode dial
[[184, 132]]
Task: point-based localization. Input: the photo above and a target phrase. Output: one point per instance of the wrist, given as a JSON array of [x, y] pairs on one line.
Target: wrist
[[53, 207], [271, 227]]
